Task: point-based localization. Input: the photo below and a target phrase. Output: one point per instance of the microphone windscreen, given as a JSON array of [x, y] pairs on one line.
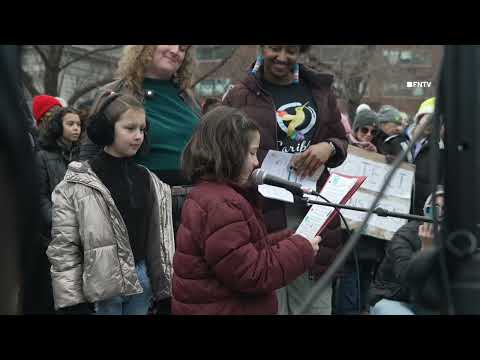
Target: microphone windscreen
[[257, 176]]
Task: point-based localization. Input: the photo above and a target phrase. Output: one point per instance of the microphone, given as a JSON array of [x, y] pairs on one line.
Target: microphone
[[260, 177]]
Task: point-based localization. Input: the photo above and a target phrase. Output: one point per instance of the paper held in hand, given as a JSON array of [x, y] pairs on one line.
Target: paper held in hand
[[278, 163], [338, 189]]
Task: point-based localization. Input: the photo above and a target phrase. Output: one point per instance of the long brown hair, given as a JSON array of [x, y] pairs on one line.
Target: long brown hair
[[219, 145]]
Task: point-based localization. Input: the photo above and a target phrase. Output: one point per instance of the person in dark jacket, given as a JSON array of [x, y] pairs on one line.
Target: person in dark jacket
[[296, 111], [390, 293], [58, 143], [18, 190], [390, 124], [225, 262], [353, 285], [29, 119], [59, 146], [422, 153], [393, 137], [393, 145]]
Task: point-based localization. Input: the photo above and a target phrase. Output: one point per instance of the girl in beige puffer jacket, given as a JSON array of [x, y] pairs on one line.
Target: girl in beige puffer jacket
[[112, 235]]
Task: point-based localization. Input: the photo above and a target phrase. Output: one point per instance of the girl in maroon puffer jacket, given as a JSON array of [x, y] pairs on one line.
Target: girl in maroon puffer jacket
[[225, 263]]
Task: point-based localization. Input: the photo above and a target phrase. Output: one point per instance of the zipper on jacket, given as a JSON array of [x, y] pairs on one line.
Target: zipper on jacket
[[111, 217]]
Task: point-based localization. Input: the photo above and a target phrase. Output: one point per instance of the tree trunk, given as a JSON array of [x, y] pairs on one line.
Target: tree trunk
[[50, 81], [29, 85], [52, 70]]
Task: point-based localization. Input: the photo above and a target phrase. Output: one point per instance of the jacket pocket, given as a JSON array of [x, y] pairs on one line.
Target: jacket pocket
[[102, 274]]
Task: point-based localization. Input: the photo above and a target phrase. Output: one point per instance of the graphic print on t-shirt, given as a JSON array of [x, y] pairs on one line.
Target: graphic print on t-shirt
[[296, 121], [296, 116], [300, 121]]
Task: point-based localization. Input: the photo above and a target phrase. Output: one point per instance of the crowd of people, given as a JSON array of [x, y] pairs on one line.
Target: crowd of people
[[147, 204]]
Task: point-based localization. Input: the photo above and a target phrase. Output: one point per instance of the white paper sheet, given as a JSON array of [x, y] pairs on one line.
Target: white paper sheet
[[400, 186], [335, 190], [278, 163], [275, 193], [396, 198]]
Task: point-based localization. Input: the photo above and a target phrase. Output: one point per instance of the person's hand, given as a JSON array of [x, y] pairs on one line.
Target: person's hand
[[368, 146], [425, 233], [315, 243], [310, 160]]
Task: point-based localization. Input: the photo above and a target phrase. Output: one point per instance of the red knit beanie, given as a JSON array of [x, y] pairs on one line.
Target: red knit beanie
[[43, 103]]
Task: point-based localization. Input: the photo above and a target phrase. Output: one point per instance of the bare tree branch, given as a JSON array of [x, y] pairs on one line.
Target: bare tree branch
[[42, 55], [215, 68], [314, 61], [56, 56], [87, 54], [352, 69], [365, 85], [87, 88], [28, 82]]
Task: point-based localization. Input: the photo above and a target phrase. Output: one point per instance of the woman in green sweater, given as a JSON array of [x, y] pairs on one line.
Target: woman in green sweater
[[160, 77]]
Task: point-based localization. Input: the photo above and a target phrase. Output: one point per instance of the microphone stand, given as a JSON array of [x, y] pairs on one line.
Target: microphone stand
[[378, 211]]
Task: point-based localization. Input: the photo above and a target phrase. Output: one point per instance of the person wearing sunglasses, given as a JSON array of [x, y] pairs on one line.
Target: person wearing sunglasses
[[364, 130], [352, 286], [367, 132], [393, 288]]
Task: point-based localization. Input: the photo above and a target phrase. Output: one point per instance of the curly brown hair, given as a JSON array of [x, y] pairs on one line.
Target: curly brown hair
[[219, 146], [51, 127], [136, 58]]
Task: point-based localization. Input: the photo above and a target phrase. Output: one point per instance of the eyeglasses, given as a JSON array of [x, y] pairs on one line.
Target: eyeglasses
[[365, 131]]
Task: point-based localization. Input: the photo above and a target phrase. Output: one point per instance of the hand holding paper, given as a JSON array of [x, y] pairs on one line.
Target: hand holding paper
[[313, 158], [315, 243], [337, 189], [280, 164]]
